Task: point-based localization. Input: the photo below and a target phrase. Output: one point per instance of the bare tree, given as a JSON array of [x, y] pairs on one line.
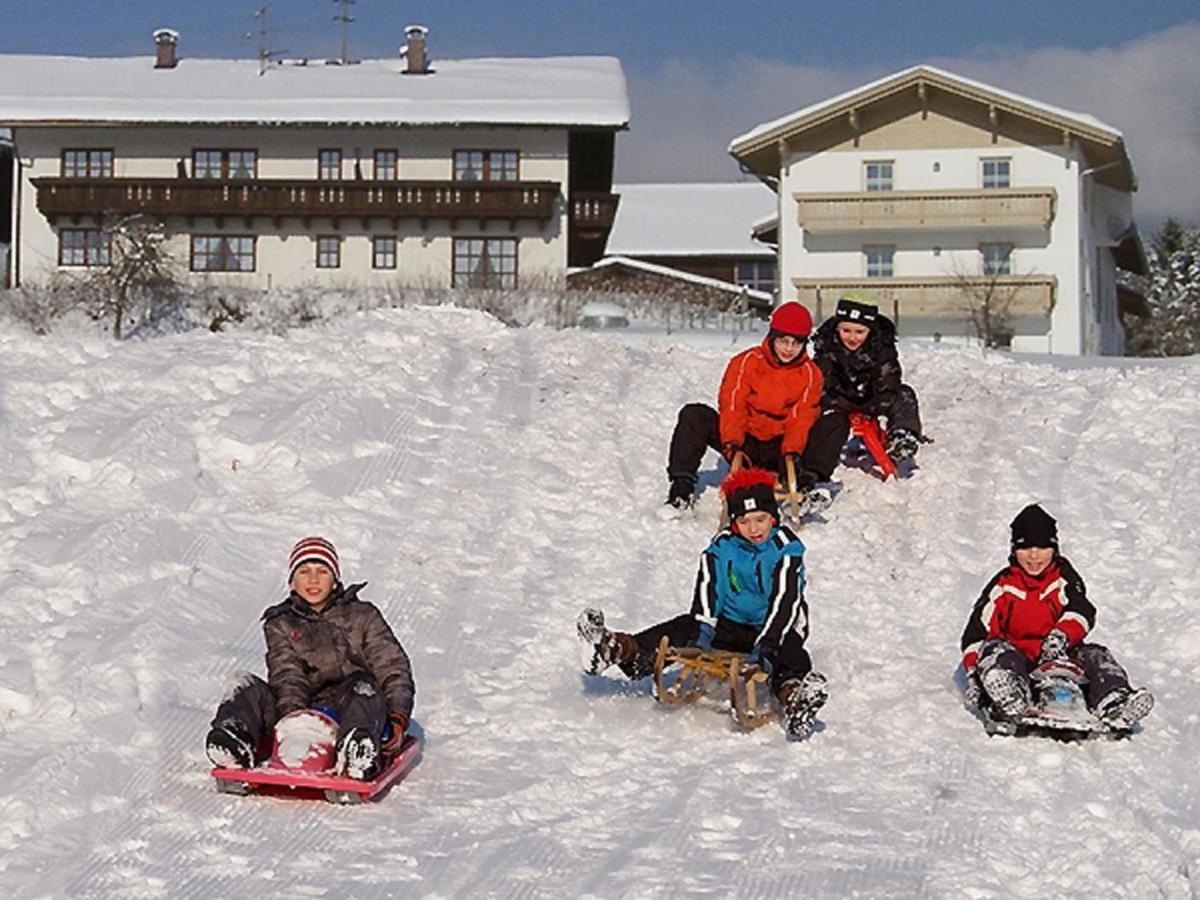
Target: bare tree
[[141, 276], [989, 298]]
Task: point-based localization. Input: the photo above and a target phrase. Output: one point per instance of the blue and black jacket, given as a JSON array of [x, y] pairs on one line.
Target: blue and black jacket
[[759, 585]]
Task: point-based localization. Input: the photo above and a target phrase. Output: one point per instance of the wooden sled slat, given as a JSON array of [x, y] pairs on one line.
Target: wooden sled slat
[[701, 669]]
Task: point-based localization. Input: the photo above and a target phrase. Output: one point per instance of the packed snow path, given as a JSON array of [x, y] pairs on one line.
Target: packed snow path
[[489, 483]]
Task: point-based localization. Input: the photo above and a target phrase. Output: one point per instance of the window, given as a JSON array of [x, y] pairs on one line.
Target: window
[[385, 165], [757, 274], [485, 165], [241, 164], [329, 252], [996, 173], [383, 252], [997, 258], [87, 164], [879, 261], [485, 262], [222, 253], [878, 175], [329, 165], [83, 247]]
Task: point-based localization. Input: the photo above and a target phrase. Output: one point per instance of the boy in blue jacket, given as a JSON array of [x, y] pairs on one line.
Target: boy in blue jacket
[[748, 598]]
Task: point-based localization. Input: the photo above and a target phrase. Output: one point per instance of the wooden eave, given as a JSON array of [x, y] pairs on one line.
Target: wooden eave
[[763, 154]]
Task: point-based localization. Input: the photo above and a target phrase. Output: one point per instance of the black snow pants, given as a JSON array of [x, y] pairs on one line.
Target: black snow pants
[[698, 428], [832, 430], [356, 702], [1104, 674], [790, 660]]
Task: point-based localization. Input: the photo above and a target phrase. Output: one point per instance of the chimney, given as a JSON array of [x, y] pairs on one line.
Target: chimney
[[164, 44], [414, 51]]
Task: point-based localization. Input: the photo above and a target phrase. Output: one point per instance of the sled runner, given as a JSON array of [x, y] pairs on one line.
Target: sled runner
[[701, 669], [866, 429], [1058, 708], [284, 782]]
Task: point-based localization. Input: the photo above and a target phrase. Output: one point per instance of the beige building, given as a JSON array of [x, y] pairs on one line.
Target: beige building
[[490, 172], [969, 211]]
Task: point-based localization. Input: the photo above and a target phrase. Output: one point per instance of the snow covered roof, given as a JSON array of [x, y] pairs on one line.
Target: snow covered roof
[[690, 219], [765, 137], [679, 274], [577, 90]]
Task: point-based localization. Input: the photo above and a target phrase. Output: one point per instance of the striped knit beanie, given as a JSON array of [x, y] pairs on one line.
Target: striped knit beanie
[[314, 549]]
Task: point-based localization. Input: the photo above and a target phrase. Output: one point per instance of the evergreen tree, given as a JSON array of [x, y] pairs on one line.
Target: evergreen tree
[[1172, 291]]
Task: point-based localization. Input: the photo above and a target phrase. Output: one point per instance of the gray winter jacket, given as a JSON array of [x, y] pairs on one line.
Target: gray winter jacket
[[310, 653]]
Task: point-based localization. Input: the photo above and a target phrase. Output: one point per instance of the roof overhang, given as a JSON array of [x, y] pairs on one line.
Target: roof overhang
[[1131, 301], [1130, 253], [761, 150]]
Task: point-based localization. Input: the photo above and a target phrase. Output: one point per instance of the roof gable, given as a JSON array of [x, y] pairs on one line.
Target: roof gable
[[915, 94]]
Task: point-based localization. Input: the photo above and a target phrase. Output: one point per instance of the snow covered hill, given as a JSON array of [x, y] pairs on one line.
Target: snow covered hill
[[490, 482]]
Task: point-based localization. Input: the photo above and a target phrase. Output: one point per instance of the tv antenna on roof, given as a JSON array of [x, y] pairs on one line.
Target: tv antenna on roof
[[345, 18], [264, 55]]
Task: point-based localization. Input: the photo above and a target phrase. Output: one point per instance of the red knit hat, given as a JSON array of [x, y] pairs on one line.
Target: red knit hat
[[792, 318], [314, 549], [750, 490]]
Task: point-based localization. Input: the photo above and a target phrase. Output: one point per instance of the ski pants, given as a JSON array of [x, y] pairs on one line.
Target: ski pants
[[1104, 675], [834, 429], [355, 701], [698, 428], [790, 660]]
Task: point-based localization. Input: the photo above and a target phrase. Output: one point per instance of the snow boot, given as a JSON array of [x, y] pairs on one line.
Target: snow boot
[[817, 495], [606, 648], [902, 444], [358, 755], [680, 497], [1008, 691], [229, 746], [800, 699], [1124, 707]]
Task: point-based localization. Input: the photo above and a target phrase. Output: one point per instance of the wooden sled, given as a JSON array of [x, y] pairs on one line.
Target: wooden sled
[[790, 498], [701, 669]]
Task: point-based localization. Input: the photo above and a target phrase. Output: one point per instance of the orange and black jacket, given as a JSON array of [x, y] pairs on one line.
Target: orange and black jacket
[[763, 397]]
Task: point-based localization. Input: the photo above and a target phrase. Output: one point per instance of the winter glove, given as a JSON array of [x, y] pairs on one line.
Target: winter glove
[[399, 723], [1053, 647], [973, 692], [704, 640]]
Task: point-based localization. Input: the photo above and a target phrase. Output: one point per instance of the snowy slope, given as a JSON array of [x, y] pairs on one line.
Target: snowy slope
[[489, 482]]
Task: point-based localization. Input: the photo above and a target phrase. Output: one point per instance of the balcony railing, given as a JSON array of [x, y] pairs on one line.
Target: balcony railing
[[938, 296], [593, 210], [989, 208], [282, 197]]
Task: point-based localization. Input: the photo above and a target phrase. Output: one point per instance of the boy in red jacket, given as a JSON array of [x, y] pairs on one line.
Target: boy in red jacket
[[1033, 610]]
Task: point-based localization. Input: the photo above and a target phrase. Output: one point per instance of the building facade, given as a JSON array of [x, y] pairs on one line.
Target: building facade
[[970, 212], [472, 173]]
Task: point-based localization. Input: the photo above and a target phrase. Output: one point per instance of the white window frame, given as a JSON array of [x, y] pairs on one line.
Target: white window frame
[[874, 268], [995, 181], [879, 180], [993, 253]]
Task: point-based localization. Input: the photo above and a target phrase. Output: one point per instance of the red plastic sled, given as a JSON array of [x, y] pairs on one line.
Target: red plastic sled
[[295, 783], [867, 429]]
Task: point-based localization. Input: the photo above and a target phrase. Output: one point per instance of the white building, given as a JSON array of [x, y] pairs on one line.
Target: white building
[[963, 207], [485, 172]]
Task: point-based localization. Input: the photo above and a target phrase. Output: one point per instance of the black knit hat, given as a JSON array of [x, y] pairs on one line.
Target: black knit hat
[[1034, 527], [856, 312], [750, 490]]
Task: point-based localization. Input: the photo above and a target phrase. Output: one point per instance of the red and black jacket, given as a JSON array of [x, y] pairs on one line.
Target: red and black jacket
[[1021, 609]]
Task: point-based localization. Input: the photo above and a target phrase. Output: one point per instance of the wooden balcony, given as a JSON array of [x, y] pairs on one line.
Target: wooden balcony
[[938, 296], [594, 211], [983, 209], [277, 198]]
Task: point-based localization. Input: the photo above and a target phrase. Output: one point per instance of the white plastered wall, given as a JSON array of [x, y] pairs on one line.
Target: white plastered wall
[[286, 256], [1053, 251]]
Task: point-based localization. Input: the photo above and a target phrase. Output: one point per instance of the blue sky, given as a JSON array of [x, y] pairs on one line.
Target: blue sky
[[701, 72], [642, 32]]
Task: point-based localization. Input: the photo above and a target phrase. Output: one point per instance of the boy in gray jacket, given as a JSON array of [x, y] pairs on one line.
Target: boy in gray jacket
[[326, 650]]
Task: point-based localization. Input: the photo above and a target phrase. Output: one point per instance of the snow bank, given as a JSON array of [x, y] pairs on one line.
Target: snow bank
[[488, 482]]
